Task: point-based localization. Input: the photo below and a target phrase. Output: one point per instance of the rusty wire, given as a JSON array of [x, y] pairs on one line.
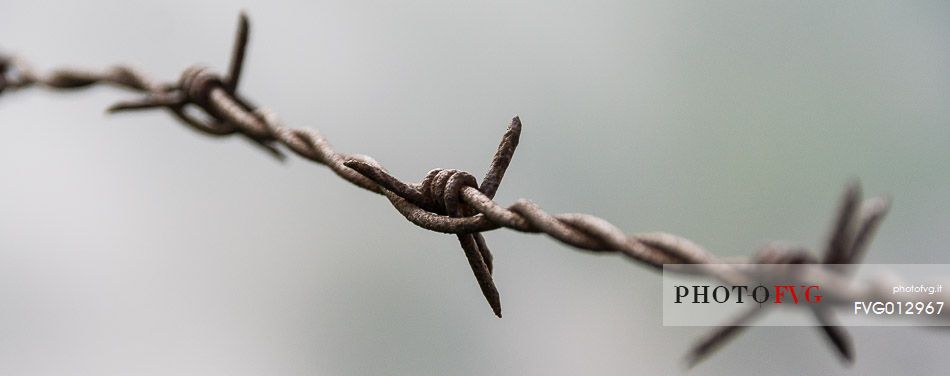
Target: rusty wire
[[451, 201]]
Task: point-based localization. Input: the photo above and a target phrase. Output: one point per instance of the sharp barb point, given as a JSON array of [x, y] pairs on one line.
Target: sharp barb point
[[720, 336], [238, 52], [839, 242], [836, 334], [502, 159]]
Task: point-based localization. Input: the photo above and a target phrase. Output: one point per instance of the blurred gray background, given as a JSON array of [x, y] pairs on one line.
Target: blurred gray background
[[129, 245]]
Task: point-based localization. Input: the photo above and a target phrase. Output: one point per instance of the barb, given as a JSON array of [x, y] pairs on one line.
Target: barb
[[448, 200]]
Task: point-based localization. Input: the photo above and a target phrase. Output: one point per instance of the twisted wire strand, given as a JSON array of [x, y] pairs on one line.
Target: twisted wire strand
[[451, 201]]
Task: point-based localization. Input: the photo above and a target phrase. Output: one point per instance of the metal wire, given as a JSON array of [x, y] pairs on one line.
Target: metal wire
[[451, 201]]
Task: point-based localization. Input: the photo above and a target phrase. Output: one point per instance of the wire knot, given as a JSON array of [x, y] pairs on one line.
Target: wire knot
[[217, 96], [197, 82], [442, 189], [441, 192]]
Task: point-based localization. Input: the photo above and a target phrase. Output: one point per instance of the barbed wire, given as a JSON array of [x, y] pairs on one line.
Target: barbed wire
[[451, 201]]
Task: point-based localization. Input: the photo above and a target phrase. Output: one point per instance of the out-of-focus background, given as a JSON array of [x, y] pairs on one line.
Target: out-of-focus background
[[131, 245]]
